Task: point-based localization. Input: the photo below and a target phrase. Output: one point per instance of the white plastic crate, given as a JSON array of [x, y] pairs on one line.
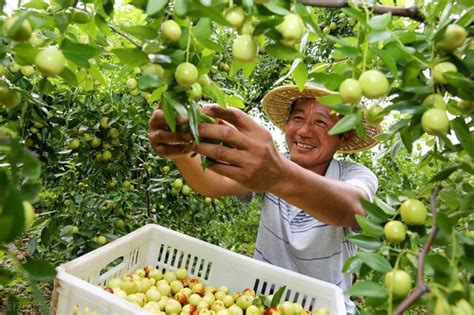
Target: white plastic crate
[[77, 281]]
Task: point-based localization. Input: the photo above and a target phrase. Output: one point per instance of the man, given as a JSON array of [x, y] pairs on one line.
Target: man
[[309, 200]]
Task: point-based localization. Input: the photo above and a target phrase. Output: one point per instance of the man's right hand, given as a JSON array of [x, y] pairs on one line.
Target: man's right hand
[[165, 143]]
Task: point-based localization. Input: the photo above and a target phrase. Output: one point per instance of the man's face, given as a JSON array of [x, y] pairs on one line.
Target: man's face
[[307, 134]]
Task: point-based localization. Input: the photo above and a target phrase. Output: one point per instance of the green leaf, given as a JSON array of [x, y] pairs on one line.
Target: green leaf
[[267, 25], [345, 124], [374, 261], [154, 6], [168, 111], [6, 225], [39, 270], [31, 165], [282, 52], [78, 53], [332, 100], [203, 29], [181, 7], [275, 8], [445, 173], [131, 56], [368, 289], [386, 59], [25, 53], [212, 13], [300, 75], [277, 296], [30, 191], [141, 32], [380, 22], [193, 114], [376, 36], [465, 137], [374, 211], [364, 241], [344, 52], [6, 276], [69, 76], [234, 101], [343, 109], [211, 45], [352, 265], [368, 227], [13, 210]]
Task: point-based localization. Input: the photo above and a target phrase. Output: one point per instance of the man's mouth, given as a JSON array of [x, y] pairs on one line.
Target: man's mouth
[[304, 146]]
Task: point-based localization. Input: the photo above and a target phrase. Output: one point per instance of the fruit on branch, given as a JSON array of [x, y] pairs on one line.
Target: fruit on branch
[[50, 62], [442, 68], [23, 32], [413, 212], [131, 83], [101, 240], [153, 69], [9, 97], [399, 282], [394, 231], [171, 30], [435, 100], [27, 71], [186, 74], [374, 84], [373, 114], [350, 91], [291, 29], [435, 121], [29, 214], [195, 92], [204, 81], [74, 144], [244, 48], [235, 16], [453, 37]]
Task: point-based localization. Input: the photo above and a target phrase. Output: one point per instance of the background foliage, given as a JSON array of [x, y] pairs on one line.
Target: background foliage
[[76, 145]]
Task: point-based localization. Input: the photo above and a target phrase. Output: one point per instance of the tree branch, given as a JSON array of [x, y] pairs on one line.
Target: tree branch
[[124, 35], [411, 12], [421, 287]]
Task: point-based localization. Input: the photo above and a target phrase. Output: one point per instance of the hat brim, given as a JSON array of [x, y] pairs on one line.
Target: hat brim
[[276, 105]]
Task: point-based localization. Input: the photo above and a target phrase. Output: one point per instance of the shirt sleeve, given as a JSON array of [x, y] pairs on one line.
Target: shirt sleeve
[[360, 176]]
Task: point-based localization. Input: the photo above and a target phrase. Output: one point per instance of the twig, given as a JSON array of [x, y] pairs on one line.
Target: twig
[[131, 40], [411, 12], [421, 287]]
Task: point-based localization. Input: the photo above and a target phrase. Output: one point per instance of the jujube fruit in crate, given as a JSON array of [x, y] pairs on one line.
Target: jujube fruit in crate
[[176, 293]]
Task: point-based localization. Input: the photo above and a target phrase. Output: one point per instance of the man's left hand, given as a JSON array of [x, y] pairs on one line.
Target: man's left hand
[[248, 155]]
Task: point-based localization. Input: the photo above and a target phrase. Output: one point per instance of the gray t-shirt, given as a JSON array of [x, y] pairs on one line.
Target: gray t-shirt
[[290, 238]]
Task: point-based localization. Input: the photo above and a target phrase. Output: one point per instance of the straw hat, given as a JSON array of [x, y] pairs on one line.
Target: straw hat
[[276, 105]]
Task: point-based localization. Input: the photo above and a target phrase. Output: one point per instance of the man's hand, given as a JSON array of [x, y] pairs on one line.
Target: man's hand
[[172, 145], [249, 156]]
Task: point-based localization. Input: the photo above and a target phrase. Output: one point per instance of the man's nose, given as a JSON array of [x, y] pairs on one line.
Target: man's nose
[[305, 129]]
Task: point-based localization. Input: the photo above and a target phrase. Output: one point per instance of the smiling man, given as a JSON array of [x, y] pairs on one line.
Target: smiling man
[[309, 199]]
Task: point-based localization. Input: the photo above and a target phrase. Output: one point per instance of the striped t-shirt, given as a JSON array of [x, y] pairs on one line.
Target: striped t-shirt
[[290, 238]]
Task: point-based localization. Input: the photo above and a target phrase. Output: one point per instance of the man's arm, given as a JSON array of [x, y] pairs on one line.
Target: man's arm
[[206, 182], [254, 162], [328, 200]]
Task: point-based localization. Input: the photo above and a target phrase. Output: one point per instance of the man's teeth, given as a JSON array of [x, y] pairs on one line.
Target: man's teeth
[[304, 146]]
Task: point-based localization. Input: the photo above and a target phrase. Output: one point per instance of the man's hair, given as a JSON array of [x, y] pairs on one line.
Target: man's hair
[[295, 102]]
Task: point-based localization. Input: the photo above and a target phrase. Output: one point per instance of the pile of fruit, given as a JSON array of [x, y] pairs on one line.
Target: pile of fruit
[[173, 292]]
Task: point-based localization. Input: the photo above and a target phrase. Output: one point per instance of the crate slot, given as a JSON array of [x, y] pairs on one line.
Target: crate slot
[[310, 307], [208, 271], [193, 266], [180, 260], [287, 297], [173, 257], [114, 263], [160, 254], [295, 299], [272, 289], [255, 285]]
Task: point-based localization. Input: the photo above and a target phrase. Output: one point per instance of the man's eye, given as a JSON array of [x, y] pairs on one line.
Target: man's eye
[[297, 118], [321, 123]]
